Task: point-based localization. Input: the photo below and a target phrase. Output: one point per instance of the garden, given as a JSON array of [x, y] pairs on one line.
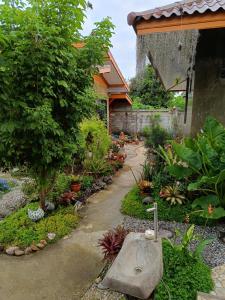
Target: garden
[[186, 177], [55, 150]]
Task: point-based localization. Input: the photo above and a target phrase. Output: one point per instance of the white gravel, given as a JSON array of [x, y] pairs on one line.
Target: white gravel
[[214, 253]]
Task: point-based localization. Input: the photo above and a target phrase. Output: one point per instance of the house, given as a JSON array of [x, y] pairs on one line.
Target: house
[[185, 43], [110, 85]]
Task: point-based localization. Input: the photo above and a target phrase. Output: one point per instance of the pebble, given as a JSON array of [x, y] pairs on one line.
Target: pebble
[[148, 200], [19, 252], [28, 250], [40, 246], [43, 242], [214, 252], [34, 248], [11, 250], [51, 235]]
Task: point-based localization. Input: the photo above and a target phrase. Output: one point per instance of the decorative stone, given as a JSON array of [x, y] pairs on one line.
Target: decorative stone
[[19, 252], [43, 242], [11, 250], [78, 205], [138, 268], [50, 206], [28, 251], [34, 248], [51, 235], [36, 215], [163, 233], [147, 200], [40, 246], [107, 179]]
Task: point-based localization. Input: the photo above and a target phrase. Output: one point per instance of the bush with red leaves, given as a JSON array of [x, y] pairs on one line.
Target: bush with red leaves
[[112, 242], [67, 198]]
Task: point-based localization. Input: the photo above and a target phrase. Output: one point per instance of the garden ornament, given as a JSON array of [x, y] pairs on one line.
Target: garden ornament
[[36, 215]]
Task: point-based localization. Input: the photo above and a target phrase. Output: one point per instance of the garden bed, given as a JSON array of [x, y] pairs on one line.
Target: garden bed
[[18, 230], [133, 206]]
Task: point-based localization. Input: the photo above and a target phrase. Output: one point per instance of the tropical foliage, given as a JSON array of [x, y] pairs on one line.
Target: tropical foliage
[[201, 162]]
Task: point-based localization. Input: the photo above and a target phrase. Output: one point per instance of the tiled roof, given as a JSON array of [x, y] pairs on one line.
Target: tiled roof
[[177, 9]]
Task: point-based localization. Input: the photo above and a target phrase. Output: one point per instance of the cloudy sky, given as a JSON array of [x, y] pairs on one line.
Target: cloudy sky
[[124, 40]]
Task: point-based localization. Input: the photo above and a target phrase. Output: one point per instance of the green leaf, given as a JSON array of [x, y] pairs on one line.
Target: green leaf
[[217, 213], [188, 236], [187, 155], [179, 172], [204, 201]]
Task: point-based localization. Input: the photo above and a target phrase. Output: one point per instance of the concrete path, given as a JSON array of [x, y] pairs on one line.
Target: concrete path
[[65, 270]]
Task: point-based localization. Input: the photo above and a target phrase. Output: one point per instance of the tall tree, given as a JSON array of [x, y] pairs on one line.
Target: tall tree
[[45, 83], [147, 88]]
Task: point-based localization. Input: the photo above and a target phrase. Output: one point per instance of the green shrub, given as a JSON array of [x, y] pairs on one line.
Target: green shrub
[[18, 230], [155, 135], [30, 190], [61, 184], [95, 143], [183, 276], [178, 102], [86, 182]]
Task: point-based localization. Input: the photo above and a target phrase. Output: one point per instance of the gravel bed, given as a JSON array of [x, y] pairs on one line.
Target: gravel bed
[[214, 253], [96, 294]]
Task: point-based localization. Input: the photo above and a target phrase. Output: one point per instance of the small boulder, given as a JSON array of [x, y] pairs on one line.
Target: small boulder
[[11, 250], [164, 233], [43, 242], [40, 246], [107, 179], [147, 200], [50, 206], [19, 252], [28, 251], [34, 248], [51, 236]]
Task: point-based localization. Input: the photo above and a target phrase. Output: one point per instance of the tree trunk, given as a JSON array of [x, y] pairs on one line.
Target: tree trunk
[[42, 196]]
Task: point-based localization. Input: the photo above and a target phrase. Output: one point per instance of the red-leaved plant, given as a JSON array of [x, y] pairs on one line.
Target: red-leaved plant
[[112, 242]]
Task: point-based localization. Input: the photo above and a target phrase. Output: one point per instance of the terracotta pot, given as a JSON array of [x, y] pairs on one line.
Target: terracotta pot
[[75, 187]]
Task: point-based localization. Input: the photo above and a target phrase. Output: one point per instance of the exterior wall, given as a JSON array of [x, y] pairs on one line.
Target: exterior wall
[[209, 88], [101, 86], [172, 55], [133, 121]]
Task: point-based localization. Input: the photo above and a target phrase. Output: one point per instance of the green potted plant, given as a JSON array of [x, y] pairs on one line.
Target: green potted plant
[[75, 183]]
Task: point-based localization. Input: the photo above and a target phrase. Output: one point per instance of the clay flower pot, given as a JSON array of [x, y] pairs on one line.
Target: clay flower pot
[[75, 187]]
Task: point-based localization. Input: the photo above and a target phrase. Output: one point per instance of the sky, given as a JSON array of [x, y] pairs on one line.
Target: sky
[[124, 39]]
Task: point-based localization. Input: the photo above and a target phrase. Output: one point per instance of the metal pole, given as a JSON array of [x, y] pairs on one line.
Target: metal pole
[[156, 221]]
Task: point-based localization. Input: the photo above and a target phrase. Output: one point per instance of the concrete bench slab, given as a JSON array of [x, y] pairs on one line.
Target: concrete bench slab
[[138, 268]]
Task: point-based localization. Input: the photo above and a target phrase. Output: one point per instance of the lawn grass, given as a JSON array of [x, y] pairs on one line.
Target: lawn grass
[[18, 230], [132, 206]]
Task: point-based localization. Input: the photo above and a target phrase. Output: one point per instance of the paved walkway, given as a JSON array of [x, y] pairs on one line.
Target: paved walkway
[[218, 275], [65, 270]]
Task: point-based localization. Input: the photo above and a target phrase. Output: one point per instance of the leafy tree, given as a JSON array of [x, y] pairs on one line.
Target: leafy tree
[[147, 89], [45, 83]]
